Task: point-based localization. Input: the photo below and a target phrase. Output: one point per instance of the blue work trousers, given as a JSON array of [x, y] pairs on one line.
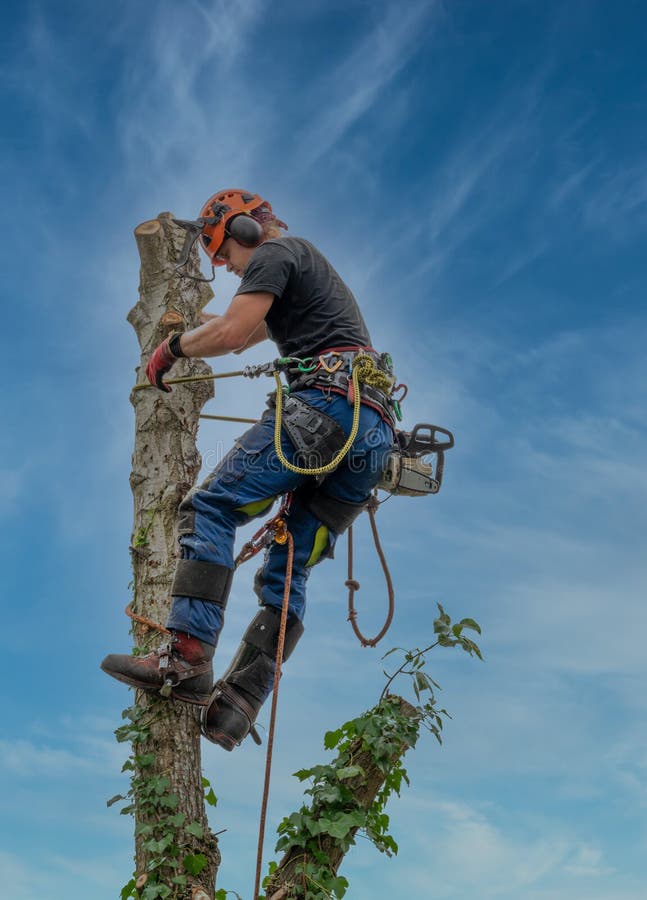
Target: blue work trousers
[[246, 483]]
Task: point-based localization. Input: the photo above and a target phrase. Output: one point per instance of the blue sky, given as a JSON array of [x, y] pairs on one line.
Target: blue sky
[[476, 172]]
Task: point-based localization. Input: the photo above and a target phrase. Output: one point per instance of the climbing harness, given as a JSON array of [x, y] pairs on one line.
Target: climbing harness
[[364, 372]]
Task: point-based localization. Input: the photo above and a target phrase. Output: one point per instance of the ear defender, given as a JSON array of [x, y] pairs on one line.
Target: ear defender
[[245, 230]]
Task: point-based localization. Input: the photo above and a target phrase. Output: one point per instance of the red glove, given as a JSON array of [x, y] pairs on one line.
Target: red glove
[[159, 364]]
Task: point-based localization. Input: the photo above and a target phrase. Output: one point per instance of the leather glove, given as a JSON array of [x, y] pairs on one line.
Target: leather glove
[[161, 362]]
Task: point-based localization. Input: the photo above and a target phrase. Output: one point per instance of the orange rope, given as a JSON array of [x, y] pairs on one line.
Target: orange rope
[[142, 620], [275, 697]]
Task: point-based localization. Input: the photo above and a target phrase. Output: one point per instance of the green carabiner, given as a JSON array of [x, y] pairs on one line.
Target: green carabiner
[[397, 410], [304, 365]]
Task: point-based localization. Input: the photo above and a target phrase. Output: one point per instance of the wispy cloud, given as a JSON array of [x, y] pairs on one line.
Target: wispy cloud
[[22, 879], [356, 83], [81, 746], [454, 850], [617, 203], [179, 98]]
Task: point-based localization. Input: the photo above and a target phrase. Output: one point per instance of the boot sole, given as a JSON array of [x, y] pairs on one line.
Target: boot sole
[[194, 699]]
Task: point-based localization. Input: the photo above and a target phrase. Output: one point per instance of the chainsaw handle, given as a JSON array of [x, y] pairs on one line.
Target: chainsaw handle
[[423, 439]]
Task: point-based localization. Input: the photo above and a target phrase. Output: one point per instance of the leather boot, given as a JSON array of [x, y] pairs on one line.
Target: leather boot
[[238, 696], [179, 668]]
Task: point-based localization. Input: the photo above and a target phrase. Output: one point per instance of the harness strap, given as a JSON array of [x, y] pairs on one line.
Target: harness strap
[[338, 381]]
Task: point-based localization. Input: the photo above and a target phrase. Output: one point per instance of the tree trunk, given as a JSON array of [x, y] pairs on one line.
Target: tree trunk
[[287, 882], [165, 465]]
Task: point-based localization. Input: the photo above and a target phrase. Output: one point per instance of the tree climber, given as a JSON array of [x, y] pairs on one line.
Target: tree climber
[[291, 294]]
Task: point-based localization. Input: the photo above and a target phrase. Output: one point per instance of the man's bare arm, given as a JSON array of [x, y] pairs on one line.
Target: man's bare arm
[[258, 335], [231, 331]]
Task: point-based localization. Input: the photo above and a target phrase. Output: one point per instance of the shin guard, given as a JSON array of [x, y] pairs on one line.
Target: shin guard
[[237, 698]]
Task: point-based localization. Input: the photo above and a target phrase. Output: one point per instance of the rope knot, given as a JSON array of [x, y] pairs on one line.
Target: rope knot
[[352, 585]]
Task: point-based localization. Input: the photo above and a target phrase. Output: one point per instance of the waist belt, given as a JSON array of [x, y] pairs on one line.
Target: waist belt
[[339, 379]]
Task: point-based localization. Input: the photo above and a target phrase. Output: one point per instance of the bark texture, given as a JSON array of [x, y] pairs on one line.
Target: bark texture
[[165, 465]]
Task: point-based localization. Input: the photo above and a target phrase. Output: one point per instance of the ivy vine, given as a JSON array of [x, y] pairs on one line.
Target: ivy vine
[[380, 734], [162, 829]]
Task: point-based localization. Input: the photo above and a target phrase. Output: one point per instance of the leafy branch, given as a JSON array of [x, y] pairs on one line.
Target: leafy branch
[[349, 795]]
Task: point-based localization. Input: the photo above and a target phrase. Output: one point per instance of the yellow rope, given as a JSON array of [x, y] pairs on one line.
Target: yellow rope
[[364, 369]]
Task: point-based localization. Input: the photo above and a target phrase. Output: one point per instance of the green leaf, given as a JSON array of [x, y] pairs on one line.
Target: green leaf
[[160, 784], [446, 641], [160, 846], [129, 890], [177, 820], [332, 738], [145, 759], [194, 863], [153, 890], [470, 623], [349, 772], [211, 798], [115, 799], [195, 828], [339, 885]]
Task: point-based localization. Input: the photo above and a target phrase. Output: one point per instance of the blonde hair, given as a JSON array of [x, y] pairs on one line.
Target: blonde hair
[[270, 224], [272, 230]]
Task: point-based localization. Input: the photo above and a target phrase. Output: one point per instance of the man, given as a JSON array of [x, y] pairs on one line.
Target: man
[[290, 294]]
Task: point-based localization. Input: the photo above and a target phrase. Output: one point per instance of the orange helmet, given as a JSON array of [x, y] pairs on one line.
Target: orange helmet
[[230, 213]]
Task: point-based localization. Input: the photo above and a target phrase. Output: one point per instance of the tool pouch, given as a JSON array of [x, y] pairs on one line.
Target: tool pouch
[[315, 435]]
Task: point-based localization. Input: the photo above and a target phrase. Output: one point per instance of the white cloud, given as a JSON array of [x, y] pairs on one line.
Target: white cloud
[[63, 749], [34, 876], [618, 202], [452, 850], [179, 98], [17, 877], [587, 862], [356, 83]]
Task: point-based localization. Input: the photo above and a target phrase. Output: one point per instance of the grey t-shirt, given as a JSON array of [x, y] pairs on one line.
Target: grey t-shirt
[[313, 309]]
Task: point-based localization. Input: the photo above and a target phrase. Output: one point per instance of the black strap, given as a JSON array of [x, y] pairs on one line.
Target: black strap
[[202, 580], [263, 632], [338, 381], [337, 515]]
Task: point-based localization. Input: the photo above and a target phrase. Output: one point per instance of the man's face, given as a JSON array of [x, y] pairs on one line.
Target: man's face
[[235, 255]]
